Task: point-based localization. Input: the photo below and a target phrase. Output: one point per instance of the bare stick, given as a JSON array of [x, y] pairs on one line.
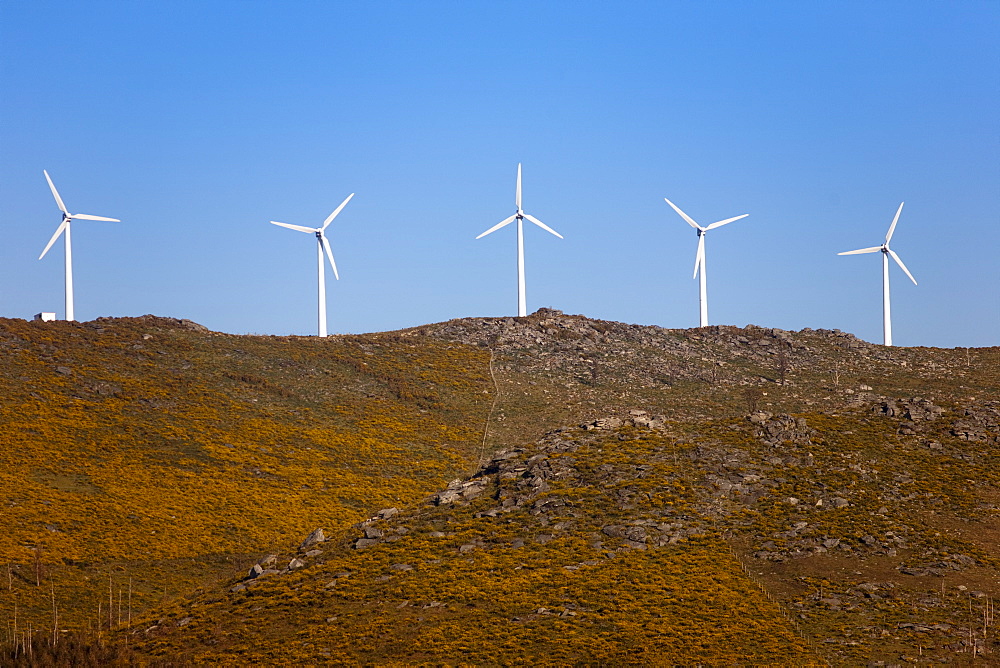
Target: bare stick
[[55, 615], [111, 600], [130, 601]]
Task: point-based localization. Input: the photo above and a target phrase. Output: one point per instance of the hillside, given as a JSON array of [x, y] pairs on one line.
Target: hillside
[[159, 454], [645, 495]]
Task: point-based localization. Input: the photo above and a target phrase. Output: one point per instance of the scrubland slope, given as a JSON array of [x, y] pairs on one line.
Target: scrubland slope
[[641, 495], [154, 451]]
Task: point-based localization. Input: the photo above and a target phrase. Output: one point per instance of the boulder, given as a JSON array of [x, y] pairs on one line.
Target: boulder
[[315, 537]]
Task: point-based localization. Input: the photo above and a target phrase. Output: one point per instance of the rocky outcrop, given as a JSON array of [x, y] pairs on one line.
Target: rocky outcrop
[[781, 428]]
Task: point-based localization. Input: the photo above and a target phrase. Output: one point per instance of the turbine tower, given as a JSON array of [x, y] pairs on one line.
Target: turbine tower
[[63, 228], [522, 309], [699, 259], [886, 252], [322, 245]]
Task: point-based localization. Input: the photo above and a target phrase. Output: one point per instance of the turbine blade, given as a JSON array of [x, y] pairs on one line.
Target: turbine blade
[[892, 228], [725, 222], [55, 193], [699, 257], [496, 227], [87, 216], [333, 215], [329, 255], [517, 196], [59, 230], [299, 228], [683, 215], [901, 265], [542, 225], [862, 250]]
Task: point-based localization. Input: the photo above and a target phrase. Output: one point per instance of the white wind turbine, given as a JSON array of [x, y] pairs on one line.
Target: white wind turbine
[[699, 259], [519, 217], [886, 252], [63, 228], [322, 245]]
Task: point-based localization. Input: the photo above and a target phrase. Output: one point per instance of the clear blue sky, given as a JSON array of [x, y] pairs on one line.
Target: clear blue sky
[[198, 122]]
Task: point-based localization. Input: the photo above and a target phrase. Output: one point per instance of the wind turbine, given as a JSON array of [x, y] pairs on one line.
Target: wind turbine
[[886, 252], [699, 258], [63, 228], [322, 245], [519, 217]]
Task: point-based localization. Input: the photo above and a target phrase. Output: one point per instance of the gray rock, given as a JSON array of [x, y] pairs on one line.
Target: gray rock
[[386, 513], [614, 531], [362, 543], [448, 496], [295, 563], [315, 537], [636, 534]]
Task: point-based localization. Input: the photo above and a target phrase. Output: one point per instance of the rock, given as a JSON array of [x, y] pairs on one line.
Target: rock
[[838, 502], [268, 560], [386, 513], [447, 496], [362, 543], [614, 531], [315, 537], [373, 533], [636, 534], [64, 370], [295, 563], [465, 549], [781, 429], [255, 571], [314, 553], [401, 567]]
